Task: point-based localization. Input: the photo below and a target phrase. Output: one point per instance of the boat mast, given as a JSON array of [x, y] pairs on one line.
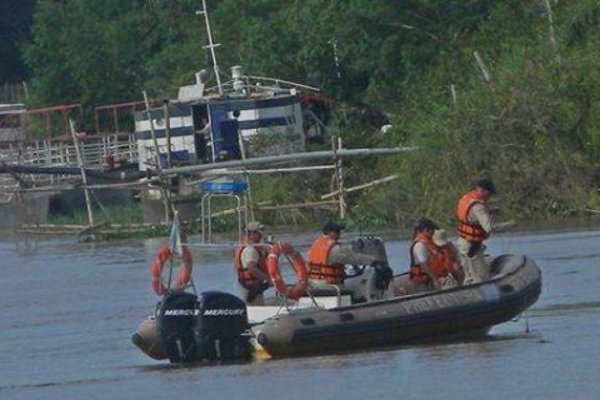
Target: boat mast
[[211, 45]]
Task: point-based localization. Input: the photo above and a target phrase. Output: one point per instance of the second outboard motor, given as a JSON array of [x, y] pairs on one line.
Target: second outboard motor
[[223, 331]]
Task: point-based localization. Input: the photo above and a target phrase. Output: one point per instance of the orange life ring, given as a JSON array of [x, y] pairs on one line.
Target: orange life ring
[[298, 264], [163, 255]]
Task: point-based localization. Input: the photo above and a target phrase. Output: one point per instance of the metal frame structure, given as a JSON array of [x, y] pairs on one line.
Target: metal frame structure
[[206, 214]]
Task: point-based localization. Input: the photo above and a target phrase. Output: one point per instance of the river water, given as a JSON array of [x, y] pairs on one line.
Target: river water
[[68, 311]]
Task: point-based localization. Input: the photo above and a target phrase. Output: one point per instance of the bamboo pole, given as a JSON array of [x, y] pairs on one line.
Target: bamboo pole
[[484, 71], [298, 205], [25, 90], [86, 192], [166, 200], [124, 185], [167, 131], [339, 171], [248, 198], [267, 207], [288, 158], [453, 93], [551, 29], [360, 187], [260, 171], [154, 141]]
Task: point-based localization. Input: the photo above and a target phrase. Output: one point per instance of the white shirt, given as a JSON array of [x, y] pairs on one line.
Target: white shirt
[[420, 253], [480, 214], [249, 255]]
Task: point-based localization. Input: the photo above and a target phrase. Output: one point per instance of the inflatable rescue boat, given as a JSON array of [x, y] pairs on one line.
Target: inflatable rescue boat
[[218, 326]]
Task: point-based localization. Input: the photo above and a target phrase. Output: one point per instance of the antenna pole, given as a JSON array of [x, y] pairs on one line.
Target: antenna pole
[[211, 46]]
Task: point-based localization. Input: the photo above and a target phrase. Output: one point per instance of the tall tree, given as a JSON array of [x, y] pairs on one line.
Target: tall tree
[[15, 21], [99, 52]]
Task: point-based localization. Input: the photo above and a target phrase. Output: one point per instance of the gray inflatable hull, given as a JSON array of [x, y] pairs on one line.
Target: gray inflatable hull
[[464, 311]]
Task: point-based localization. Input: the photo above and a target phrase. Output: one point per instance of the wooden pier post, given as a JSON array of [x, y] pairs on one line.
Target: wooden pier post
[[339, 171], [86, 191], [164, 191]]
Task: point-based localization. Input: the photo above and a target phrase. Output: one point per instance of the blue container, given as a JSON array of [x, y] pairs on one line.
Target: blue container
[[224, 187]]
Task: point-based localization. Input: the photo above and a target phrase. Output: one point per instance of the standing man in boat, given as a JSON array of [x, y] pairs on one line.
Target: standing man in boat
[[250, 261], [327, 259], [475, 225]]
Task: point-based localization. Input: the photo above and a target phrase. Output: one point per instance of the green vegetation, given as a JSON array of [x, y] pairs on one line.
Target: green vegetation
[[125, 214], [531, 122]]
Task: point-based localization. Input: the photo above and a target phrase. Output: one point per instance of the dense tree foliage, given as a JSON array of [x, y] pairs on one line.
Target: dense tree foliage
[[361, 51], [99, 52], [485, 87], [15, 22]]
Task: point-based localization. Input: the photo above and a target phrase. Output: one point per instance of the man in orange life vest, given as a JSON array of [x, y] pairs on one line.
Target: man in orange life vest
[[250, 261], [327, 258], [475, 225], [422, 250], [444, 263]]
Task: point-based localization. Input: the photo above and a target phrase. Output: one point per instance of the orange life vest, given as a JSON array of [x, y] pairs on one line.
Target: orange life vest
[[317, 261], [471, 232], [442, 262], [416, 272], [245, 276]]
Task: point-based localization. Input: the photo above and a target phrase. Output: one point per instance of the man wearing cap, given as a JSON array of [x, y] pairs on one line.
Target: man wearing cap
[[444, 263], [475, 225], [327, 258], [250, 261], [422, 251]]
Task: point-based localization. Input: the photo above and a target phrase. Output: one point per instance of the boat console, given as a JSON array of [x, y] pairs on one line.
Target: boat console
[[369, 282]]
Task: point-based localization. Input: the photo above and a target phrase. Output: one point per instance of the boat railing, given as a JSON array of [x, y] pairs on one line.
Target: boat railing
[[312, 288]]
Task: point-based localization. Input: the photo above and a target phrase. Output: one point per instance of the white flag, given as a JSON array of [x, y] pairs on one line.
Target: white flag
[[175, 237]]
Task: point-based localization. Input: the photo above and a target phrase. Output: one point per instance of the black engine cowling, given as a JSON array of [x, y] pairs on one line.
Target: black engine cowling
[[213, 326]]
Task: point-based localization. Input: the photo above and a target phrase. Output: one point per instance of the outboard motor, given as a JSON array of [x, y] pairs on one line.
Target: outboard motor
[[223, 331], [211, 327], [176, 318]]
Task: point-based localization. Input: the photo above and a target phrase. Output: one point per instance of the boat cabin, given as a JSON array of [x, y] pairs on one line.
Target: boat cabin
[[243, 121], [12, 123]]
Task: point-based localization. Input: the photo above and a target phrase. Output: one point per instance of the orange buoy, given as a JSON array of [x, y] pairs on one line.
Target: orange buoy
[[163, 255], [298, 264]]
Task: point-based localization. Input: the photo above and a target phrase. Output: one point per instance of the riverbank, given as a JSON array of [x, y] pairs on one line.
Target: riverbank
[[126, 223]]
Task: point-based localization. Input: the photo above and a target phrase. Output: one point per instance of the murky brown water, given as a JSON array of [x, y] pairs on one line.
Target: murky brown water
[[68, 311]]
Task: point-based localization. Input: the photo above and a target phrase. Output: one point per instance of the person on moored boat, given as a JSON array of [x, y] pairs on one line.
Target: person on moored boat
[[475, 225], [444, 261], [327, 259], [250, 261]]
